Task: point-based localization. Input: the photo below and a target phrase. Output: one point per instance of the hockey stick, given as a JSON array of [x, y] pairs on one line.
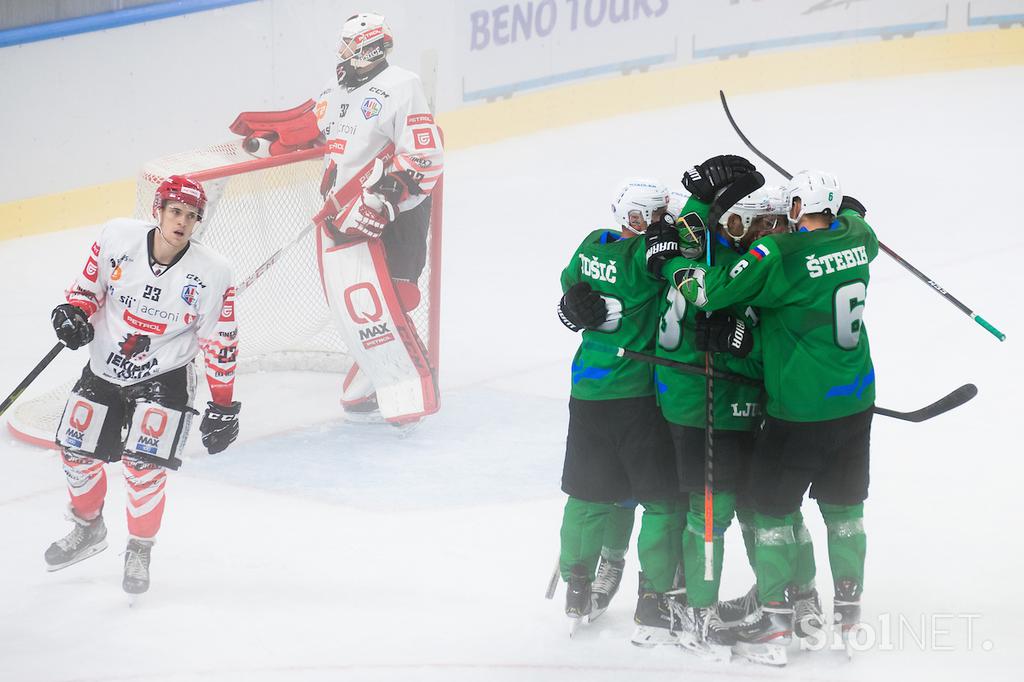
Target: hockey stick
[[665, 362], [333, 206], [709, 442], [944, 404], [895, 256], [36, 371], [553, 580]]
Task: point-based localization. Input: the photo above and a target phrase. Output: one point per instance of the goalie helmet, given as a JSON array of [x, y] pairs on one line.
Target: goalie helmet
[[366, 40], [637, 200], [183, 189], [765, 202], [818, 192]]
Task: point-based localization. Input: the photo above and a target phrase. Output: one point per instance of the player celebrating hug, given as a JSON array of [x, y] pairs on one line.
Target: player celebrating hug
[[618, 447], [147, 300], [811, 287]]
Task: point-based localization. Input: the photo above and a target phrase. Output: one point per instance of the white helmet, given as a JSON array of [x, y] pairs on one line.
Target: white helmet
[[638, 198], [765, 201], [818, 192], [366, 40]]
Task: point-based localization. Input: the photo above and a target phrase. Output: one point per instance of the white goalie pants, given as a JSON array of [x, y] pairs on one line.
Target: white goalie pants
[[382, 341]]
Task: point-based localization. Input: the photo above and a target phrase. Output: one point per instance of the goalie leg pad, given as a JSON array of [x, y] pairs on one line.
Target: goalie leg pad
[[379, 337], [357, 387]]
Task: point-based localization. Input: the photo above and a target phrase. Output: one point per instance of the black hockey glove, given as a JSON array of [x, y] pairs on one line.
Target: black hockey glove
[[854, 205], [741, 186], [220, 426], [721, 333], [582, 308], [707, 179], [72, 325], [662, 240]]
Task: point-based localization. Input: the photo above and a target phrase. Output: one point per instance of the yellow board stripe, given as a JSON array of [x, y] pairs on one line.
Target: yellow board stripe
[[588, 101]]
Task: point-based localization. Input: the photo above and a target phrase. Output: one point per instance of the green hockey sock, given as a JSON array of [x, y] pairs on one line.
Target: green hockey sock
[[583, 525], [701, 592], [617, 532], [746, 519], [847, 543], [805, 568], [657, 545], [776, 554]]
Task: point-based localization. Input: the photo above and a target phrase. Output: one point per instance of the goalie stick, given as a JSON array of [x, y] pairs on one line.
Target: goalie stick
[[334, 205], [36, 371], [951, 400], [895, 256]]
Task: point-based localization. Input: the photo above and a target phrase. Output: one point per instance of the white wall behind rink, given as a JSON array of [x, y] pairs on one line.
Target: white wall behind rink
[[90, 109]]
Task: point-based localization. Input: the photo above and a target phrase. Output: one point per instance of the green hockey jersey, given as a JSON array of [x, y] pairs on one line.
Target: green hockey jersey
[[811, 290], [681, 395], [616, 268]]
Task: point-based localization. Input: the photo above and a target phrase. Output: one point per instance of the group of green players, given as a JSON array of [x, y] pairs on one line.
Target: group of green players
[[766, 285]]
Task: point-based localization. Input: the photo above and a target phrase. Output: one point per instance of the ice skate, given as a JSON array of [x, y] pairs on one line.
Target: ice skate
[[705, 635], [136, 566], [846, 612], [808, 619], [658, 617], [578, 600], [733, 612], [606, 584], [765, 639], [85, 539]]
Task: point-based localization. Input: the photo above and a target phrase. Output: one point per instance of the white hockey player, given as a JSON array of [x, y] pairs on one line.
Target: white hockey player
[[146, 302], [371, 251], [374, 255]]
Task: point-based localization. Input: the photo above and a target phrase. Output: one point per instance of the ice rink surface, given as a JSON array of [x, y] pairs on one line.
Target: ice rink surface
[[317, 550]]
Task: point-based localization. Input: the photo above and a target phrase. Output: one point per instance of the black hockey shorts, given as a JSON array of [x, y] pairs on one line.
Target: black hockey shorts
[[618, 450], [173, 389], [733, 451], [405, 242], [831, 457]]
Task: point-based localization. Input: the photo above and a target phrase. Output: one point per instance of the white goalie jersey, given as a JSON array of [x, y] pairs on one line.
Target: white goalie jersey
[[146, 323], [391, 106]]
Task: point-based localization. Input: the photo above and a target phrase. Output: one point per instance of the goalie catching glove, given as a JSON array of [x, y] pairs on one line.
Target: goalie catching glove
[[582, 308], [220, 426], [72, 325], [721, 333]]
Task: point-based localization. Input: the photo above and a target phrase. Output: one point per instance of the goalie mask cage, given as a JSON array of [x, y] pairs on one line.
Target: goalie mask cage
[[257, 205]]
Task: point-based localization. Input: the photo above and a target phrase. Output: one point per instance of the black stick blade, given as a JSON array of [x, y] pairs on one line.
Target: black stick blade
[[944, 404]]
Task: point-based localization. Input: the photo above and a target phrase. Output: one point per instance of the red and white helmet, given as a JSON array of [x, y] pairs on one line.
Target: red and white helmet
[[366, 39], [183, 189]]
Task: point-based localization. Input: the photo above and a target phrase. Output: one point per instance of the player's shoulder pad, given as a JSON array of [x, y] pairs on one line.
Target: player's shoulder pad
[[215, 265], [122, 229]]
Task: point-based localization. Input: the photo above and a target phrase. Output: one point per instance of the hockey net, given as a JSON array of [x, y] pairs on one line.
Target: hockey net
[[256, 206]]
